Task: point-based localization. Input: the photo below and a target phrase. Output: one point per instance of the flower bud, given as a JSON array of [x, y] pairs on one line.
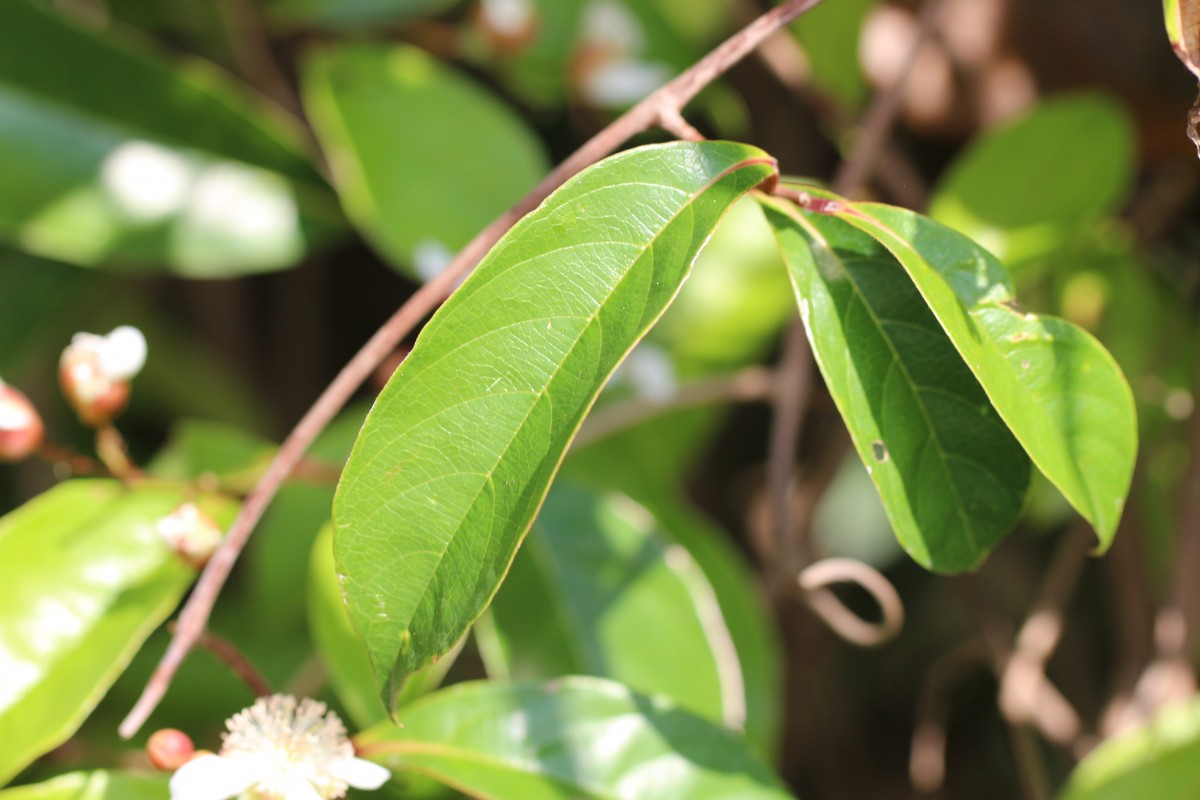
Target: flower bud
[[508, 25], [191, 533], [95, 372], [21, 427], [169, 749]]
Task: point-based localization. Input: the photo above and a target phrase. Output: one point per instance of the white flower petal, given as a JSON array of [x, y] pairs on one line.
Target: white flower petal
[[360, 773], [296, 787], [213, 778], [124, 353]]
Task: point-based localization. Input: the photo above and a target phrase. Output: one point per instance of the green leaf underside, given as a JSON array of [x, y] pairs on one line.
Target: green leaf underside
[[84, 579], [422, 157], [119, 157], [97, 785], [1160, 760], [627, 603], [568, 740], [951, 475], [458, 452], [1055, 386]]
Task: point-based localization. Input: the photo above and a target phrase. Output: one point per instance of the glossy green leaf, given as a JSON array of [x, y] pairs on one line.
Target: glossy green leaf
[[84, 579], [115, 156], [428, 523], [951, 476], [350, 13], [343, 653], [569, 740], [423, 158], [99, 785], [1057, 388], [1160, 760], [626, 603], [997, 192]]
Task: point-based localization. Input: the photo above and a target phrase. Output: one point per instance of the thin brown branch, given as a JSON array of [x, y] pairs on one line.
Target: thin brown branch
[[236, 660], [793, 387], [747, 385], [815, 581], [927, 758], [876, 128], [674, 95], [73, 463]]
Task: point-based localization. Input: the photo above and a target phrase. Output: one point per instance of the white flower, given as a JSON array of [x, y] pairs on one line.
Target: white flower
[[279, 749]]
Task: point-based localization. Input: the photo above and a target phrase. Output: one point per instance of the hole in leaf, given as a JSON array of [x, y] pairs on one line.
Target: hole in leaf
[[879, 450]]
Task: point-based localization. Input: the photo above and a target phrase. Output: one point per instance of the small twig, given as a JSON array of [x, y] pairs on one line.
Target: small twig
[[877, 124], [230, 656], [252, 49], [110, 447], [747, 385], [927, 758], [673, 122], [75, 463], [815, 581], [1031, 771], [1026, 695], [794, 385], [675, 94]]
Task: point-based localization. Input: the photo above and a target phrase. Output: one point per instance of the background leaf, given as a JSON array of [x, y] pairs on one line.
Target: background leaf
[[627, 603], [997, 191], [99, 785], [1160, 760], [423, 158], [426, 527], [348, 13], [84, 579], [951, 476], [118, 157], [1056, 387], [574, 738]]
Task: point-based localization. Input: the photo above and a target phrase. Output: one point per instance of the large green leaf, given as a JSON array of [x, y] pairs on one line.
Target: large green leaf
[[1057, 388], [84, 579], [624, 601], [97, 785], [461, 445], [571, 739], [423, 158], [1160, 760], [951, 476], [343, 653], [114, 155], [997, 193]]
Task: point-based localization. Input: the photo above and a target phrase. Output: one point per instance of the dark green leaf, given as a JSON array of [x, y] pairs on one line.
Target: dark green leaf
[[998, 194], [428, 523], [97, 785], [951, 476], [624, 602], [569, 740], [115, 156], [346, 13], [422, 157], [1056, 387], [1160, 761], [84, 579]]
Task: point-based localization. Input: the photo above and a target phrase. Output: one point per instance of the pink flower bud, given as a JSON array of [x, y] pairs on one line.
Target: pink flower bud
[[169, 749], [21, 427], [95, 372], [190, 532]]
